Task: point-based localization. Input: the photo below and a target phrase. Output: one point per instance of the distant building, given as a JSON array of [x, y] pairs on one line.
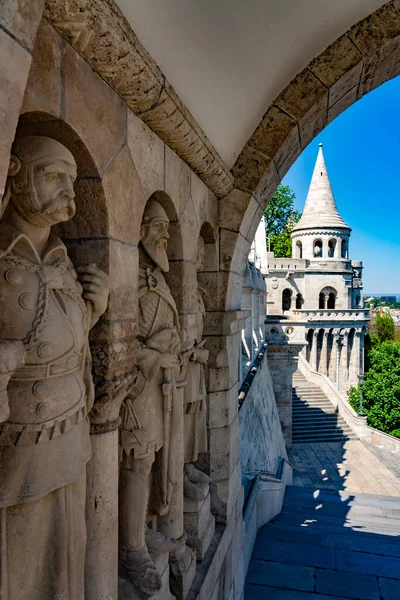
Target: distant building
[[321, 285], [389, 299]]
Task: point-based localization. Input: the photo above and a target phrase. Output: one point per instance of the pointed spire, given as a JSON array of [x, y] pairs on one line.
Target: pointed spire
[[320, 209]]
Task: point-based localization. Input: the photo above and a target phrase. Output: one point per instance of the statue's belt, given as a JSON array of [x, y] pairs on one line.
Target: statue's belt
[[29, 434], [65, 365]]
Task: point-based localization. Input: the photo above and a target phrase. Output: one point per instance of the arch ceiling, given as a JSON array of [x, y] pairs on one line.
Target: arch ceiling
[[228, 60]]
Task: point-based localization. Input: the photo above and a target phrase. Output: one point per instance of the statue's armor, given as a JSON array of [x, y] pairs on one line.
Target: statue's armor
[[142, 429], [45, 441]]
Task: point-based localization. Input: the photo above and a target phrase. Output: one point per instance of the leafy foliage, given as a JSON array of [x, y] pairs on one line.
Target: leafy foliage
[[280, 217], [385, 327], [381, 391]]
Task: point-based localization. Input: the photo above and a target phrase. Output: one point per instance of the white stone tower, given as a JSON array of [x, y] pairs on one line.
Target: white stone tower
[[321, 231], [322, 286]]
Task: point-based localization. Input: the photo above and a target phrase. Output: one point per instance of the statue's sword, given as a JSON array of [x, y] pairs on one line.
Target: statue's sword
[[167, 394]]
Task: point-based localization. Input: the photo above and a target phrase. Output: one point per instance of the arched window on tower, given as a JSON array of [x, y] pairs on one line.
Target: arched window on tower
[[327, 298], [299, 301], [331, 300], [331, 248], [286, 300], [344, 249], [299, 249], [317, 248]]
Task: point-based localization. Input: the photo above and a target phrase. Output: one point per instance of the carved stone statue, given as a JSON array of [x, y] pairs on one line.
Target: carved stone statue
[[151, 413], [46, 311], [195, 426]]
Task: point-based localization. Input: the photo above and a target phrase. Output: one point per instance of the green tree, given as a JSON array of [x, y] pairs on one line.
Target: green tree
[[381, 391], [280, 217], [385, 327]]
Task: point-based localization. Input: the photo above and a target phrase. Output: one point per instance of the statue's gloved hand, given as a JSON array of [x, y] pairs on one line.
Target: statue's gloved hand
[[96, 288], [169, 361], [201, 355], [12, 357]]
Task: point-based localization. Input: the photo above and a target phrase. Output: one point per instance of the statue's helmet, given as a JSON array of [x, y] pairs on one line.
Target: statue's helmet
[[28, 152], [154, 212]]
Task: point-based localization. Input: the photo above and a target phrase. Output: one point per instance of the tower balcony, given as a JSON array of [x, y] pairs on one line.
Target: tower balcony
[[331, 314]]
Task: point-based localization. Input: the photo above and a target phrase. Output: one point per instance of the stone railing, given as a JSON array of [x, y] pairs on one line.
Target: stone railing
[[329, 314]]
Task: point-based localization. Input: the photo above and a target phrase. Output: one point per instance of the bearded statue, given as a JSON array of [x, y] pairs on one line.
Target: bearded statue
[[46, 311], [151, 414], [195, 440]]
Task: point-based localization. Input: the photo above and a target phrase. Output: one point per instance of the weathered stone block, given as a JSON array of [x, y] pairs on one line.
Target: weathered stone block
[[124, 197], [21, 18], [288, 152], [14, 69], [147, 151], [374, 31], [379, 67], [93, 109], [223, 407], [199, 525], [346, 83], [250, 168], [43, 91], [233, 210], [177, 180], [275, 126], [313, 121], [339, 58], [301, 94], [124, 265]]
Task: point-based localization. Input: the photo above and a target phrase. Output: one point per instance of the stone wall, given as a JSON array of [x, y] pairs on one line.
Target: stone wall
[[261, 441], [52, 91]]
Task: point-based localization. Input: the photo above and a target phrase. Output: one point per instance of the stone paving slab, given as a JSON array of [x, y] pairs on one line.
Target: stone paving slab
[[293, 553], [369, 564], [263, 592], [294, 577], [349, 465], [349, 585]]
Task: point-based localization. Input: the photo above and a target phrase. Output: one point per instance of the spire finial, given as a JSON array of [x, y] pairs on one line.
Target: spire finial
[[320, 144]]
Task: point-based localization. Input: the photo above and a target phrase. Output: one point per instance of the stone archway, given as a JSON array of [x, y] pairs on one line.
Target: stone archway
[[359, 61]]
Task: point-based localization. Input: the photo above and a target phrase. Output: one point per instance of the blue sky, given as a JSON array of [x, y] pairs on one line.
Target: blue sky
[[362, 154]]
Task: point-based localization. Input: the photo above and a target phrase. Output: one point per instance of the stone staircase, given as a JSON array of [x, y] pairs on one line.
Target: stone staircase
[[314, 417], [328, 545]]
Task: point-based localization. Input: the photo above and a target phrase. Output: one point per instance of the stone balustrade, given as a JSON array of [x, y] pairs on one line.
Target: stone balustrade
[[353, 314]]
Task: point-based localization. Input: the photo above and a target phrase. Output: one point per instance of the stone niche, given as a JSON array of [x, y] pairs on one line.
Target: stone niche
[[121, 164]]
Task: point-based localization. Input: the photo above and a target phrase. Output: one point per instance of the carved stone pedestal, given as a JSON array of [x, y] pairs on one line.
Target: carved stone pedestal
[[127, 590], [182, 572], [199, 524]]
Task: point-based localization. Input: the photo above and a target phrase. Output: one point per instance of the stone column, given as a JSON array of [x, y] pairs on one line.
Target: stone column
[[323, 361], [285, 342], [344, 358], [314, 351], [101, 569], [222, 331], [333, 360], [114, 372], [356, 364]]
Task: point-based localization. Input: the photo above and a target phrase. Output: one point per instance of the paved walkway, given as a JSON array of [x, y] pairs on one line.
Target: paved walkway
[[351, 465]]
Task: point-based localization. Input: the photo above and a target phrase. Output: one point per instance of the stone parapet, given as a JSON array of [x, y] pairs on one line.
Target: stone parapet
[[353, 314]]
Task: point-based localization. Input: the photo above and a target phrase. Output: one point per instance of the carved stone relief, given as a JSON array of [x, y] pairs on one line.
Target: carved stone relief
[[46, 311]]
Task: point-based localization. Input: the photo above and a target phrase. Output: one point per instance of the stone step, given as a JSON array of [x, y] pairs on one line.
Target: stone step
[[381, 525], [319, 439], [322, 430], [340, 510], [344, 538], [340, 496]]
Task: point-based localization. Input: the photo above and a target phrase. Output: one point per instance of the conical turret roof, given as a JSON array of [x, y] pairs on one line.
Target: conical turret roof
[[320, 211]]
